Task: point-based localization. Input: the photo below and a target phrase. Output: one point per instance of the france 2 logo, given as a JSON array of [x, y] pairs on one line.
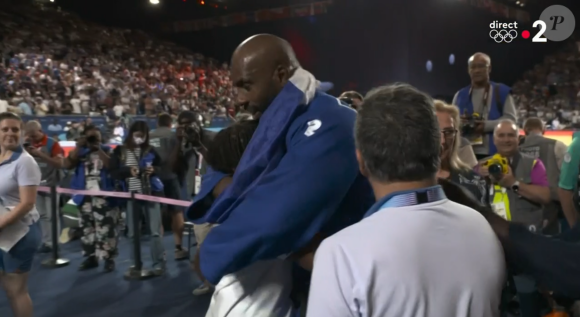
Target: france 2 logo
[[556, 23]]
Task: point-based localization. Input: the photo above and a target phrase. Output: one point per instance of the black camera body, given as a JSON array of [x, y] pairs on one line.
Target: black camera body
[[91, 139], [469, 122]]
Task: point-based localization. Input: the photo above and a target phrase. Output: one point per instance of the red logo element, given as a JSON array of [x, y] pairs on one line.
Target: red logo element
[[525, 34]]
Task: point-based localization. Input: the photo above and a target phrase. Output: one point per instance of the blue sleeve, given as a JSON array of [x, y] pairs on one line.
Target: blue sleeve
[[289, 205], [203, 200]]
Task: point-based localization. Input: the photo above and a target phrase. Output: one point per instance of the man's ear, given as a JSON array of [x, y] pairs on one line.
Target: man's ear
[[361, 164], [282, 75]]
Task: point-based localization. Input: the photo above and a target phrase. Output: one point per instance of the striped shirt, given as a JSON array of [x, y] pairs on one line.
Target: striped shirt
[[132, 160]]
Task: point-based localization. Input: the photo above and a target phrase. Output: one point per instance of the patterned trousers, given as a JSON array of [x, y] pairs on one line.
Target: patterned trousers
[[98, 223]]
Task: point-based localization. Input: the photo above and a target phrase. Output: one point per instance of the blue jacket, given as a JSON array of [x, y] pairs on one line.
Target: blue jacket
[[315, 188], [78, 180], [465, 105]]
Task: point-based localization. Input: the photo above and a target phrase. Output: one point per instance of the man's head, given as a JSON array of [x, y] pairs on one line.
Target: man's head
[[505, 138], [164, 120], [479, 68], [261, 66], [353, 98], [534, 126], [397, 135], [33, 131], [228, 146]]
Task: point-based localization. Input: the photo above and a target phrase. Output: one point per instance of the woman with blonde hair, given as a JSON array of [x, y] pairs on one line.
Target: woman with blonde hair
[[457, 161]]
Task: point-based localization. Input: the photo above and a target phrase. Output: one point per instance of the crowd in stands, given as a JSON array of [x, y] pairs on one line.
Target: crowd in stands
[[551, 90], [55, 63]]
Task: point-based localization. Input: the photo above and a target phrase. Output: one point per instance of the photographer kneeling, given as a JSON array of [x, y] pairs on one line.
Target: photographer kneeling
[[133, 166], [90, 161]]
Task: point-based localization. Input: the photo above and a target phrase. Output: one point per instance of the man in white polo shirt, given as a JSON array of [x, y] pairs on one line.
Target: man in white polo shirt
[[416, 253]]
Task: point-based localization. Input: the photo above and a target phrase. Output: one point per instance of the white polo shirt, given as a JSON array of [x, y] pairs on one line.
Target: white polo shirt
[[436, 259]]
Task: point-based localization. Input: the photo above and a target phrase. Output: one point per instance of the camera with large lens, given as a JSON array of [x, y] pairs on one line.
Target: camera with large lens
[[469, 123], [92, 139], [497, 166]]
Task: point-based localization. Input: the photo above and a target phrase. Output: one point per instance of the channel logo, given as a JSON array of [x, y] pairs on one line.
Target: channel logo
[[503, 32], [556, 23]]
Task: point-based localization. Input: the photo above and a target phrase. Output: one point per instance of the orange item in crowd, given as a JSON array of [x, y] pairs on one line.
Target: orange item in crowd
[[557, 314]]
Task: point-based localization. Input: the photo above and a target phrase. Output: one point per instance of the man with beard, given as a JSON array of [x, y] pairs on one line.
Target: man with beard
[[298, 177]]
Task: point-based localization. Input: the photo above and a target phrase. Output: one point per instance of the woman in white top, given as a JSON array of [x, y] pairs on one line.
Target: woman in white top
[[21, 177]]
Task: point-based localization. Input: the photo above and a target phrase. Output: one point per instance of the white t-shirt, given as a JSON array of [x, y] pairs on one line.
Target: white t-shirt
[[19, 171], [438, 259], [259, 290]]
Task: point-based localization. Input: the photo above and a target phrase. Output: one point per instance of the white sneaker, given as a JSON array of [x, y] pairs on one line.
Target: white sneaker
[[202, 290]]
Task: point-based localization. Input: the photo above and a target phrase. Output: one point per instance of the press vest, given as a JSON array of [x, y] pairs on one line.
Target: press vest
[[50, 174], [517, 208], [498, 93], [540, 147]]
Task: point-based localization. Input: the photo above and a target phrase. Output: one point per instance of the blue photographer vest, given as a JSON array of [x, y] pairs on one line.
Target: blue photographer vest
[[465, 105]]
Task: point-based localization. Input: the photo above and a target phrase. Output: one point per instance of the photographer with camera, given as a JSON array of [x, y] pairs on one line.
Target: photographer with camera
[[352, 98], [134, 166], [187, 157], [49, 157], [483, 104], [518, 191], [551, 152], [90, 161], [164, 141]]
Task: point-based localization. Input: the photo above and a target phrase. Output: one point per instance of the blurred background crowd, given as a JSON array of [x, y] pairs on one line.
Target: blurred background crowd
[[54, 63]]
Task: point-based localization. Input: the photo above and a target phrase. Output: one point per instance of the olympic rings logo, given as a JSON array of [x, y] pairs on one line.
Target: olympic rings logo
[[503, 35]]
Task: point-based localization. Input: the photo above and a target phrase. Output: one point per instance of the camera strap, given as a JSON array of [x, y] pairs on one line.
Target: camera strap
[[198, 167], [484, 100]]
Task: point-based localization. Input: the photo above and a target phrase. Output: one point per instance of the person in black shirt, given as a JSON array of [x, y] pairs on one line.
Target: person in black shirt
[[452, 167], [554, 262]]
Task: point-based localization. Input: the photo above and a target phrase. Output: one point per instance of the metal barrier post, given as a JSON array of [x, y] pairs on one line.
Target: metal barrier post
[[54, 261], [136, 272]]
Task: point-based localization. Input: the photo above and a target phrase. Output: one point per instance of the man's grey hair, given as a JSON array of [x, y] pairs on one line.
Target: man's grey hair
[[32, 124], [397, 134]]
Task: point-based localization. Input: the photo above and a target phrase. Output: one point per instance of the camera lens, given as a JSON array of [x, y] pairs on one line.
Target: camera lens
[[92, 139], [495, 169]]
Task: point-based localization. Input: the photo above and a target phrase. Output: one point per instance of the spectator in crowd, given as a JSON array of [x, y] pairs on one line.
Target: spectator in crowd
[[452, 165], [21, 177], [164, 141], [551, 152], [98, 215], [444, 242], [135, 165], [490, 101], [49, 156]]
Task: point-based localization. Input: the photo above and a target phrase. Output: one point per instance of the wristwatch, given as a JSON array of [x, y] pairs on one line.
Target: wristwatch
[[516, 187]]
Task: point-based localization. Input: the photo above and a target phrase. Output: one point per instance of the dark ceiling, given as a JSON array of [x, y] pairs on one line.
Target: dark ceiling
[[141, 14]]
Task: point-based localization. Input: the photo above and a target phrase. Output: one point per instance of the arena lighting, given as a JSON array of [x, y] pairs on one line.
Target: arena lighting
[[154, 2]]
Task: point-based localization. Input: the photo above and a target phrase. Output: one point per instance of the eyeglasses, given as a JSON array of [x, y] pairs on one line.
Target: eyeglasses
[[449, 133]]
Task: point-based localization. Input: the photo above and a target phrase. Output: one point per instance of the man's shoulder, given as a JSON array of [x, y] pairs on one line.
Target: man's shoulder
[[326, 112]]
